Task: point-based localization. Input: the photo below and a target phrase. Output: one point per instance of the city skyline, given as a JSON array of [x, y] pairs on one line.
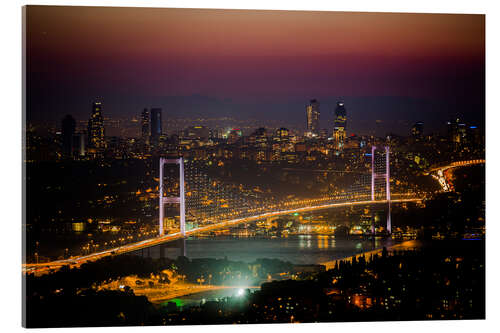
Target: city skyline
[[366, 59], [334, 126]]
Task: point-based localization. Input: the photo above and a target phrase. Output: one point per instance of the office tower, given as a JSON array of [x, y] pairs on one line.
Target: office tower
[[259, 137], [474, 136], [68, 131], [417, 131], [79, 145], [282, 134], [339, 129], [96, 129], [216, 133], [462, 132], [146, 126], [156, 129], [457, 131], [312, 115], [234, 136]]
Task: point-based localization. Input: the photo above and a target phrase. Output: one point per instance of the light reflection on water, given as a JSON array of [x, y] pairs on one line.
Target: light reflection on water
[[300, 249]]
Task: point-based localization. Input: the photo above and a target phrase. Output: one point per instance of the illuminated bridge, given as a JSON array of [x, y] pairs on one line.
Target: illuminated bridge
[[207, 204]]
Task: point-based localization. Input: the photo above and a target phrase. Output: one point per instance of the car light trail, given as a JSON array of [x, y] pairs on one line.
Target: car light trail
[[45, 267]]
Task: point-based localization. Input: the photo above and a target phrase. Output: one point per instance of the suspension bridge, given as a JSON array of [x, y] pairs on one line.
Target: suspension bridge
[[207, 204]]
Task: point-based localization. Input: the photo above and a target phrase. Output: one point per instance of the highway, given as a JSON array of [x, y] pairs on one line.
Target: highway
[[41, 268], [458, 164], [439, 172]]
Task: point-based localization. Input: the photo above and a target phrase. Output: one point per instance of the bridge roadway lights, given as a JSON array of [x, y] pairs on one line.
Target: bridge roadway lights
[[386, 176], [159, 240], [181, 200]]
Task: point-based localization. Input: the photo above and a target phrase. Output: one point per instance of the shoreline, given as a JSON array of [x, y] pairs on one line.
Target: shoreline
[[410, 244]]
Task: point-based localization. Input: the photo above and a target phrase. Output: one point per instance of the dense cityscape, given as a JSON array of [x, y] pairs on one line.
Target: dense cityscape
[[127, 212], [150, 218]]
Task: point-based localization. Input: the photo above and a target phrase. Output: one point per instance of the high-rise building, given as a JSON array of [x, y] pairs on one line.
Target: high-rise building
[[417, 130], [234, 136], [259, 137], [68, 131], [340, 123], [312, 115], [146, 126], [95, 128], [457, 131], [79, 145], [216, 133], [474, 136], [156, 129], [282, 134]]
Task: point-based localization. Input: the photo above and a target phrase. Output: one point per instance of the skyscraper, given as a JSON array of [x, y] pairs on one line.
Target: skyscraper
[[234, 136], [146, 126], [156, 131], [339, 129], [282, 134], [79, 145], [68, 131], [457, 131], [312, 115], [95, 128], [259, 137]]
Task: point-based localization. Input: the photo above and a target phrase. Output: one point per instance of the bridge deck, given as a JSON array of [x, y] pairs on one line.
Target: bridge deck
[[44, 267]]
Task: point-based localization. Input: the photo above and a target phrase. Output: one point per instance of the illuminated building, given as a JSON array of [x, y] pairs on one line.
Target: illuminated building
[[234, 136], [156, 130], [339, 129], [462, 132], [282, 133], [216, 133], [146, 127], [457, 131], [68, 131], [197, 132], [95, 132], [79, 144], [259, 137], [312, 115], [417, 131], [474, 135]]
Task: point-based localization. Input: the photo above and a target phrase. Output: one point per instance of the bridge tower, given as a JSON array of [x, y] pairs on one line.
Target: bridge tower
[[180, 199], [386, 176]]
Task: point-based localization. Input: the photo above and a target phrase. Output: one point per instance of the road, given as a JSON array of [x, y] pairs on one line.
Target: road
[[194, 290], [42, 268], [439, 172]]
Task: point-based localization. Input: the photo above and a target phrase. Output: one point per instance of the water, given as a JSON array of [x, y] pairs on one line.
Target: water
[[300, 249]]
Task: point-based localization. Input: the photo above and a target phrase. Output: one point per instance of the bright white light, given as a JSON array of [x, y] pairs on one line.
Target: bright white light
[[240, 292]]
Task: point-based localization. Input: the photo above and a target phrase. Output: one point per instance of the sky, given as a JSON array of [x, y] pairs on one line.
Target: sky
[[391, 69]]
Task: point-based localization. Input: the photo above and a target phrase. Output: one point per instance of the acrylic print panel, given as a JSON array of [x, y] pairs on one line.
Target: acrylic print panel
[[200, 166]]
